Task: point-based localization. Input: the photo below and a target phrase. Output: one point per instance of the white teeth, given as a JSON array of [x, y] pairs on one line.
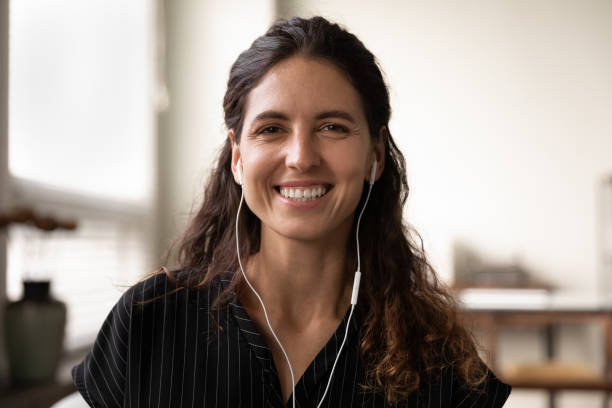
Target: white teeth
[[303, 193]]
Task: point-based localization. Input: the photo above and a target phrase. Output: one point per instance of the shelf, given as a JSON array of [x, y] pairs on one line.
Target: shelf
[[39, 396], [559, 386], [552, 376], [555, 375]]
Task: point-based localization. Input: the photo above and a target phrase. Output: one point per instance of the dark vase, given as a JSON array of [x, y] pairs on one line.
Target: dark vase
[[34, 334]]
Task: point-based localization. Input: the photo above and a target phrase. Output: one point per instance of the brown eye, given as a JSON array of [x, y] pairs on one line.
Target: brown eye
[[333, 127], [269, 129]]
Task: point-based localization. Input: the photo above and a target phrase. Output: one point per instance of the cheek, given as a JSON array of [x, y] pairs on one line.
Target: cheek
[[347, 162], [258, 168], [258, 165]]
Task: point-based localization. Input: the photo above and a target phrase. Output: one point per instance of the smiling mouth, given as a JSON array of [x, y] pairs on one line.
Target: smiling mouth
[[309, 193]]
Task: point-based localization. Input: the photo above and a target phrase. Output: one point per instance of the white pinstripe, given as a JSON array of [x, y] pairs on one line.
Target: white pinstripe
[[217, 380], [227, 364], [185, 343], [207, 345], [251, 377], [110, 369], [195, 357], [140, 348], [91, 377], [161, 363], [129, 357], [176, 306], [108, 342], [153, 339], [81, 368]]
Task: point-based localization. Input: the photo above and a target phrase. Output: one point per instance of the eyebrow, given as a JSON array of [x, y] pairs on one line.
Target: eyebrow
[[336, 114], [271, 114]]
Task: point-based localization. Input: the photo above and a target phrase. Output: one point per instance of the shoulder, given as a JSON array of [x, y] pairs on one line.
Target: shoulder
[[449, 390], [158, 297], [160, 287], [157, 284], [492, 392], [135, 328]]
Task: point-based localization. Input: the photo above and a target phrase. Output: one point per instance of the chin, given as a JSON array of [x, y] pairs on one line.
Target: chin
[[305, 236], [310, 232]]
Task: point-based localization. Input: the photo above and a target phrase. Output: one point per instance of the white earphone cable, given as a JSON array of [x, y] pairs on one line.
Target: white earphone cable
[[262, 303], [358, 224]]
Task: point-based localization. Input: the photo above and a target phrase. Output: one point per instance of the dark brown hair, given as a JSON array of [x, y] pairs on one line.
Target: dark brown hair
[[410, 328]]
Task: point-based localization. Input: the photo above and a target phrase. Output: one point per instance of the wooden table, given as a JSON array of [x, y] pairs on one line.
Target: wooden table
[[493, 309]]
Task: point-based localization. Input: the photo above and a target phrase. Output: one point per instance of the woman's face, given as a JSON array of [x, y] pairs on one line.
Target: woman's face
[[305, 150]]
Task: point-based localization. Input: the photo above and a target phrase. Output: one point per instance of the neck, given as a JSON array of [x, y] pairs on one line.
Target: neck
[[300, 281]]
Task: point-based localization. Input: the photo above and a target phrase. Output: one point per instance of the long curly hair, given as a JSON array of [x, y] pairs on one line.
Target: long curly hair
[[410, 329]]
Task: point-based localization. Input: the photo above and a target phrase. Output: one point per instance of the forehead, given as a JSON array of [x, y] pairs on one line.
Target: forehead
[[304, 86]]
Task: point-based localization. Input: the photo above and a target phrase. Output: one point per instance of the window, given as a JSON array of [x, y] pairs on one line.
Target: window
[[82, 145]]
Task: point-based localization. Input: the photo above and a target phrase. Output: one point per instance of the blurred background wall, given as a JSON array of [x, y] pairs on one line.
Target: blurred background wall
[[203, 40], [502, 110]]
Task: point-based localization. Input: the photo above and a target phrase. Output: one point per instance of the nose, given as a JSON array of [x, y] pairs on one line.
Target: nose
[[302, 150]]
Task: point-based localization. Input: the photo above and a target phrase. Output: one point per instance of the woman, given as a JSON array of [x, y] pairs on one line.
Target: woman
[[264, 310]]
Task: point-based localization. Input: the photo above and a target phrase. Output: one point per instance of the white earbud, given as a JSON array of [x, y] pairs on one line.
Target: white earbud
[[239, 169], [373, 172]]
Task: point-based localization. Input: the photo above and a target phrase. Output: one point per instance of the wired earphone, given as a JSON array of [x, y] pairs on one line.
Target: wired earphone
[[354, 294]]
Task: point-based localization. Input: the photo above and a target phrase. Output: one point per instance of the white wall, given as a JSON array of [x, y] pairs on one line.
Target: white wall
[[203, 40], [503, 112]]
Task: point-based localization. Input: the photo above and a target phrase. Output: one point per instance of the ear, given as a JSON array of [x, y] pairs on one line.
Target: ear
[[235, 154], [378, 153]]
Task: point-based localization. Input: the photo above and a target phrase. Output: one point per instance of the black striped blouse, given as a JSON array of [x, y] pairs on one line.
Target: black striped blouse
[[170, 353]]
